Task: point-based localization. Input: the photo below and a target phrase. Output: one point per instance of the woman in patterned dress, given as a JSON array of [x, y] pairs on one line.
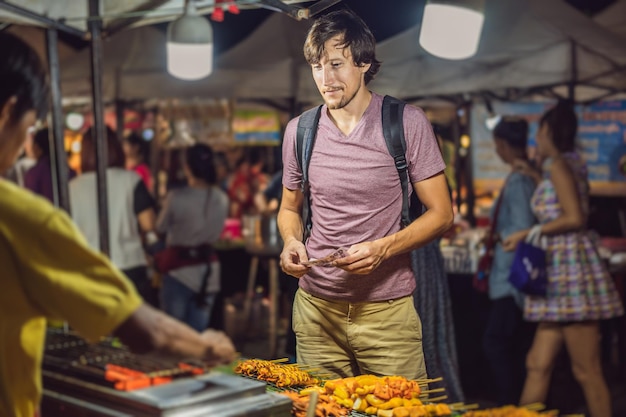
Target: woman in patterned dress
[[580, 290]]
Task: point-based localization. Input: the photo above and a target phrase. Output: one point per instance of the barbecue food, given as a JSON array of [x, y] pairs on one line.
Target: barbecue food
[[275, 373], [325, 406]]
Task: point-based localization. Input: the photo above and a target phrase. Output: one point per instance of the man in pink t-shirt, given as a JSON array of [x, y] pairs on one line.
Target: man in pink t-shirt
[[357, 316]]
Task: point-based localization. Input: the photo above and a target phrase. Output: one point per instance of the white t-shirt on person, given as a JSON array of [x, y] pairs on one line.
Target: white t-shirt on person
[[191, 217], [125, 199]]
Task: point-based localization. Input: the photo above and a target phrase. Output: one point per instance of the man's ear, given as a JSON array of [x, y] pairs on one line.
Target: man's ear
[[6, 111], [365, 67]]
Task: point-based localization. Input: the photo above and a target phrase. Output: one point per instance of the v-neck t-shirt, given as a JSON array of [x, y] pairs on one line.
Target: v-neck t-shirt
[[356, 197]]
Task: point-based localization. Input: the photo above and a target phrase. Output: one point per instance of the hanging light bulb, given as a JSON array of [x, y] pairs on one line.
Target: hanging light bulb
[[451, 29], [74, 121], [190, 45]]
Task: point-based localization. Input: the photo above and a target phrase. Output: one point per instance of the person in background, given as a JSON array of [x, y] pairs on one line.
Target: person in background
[[38, 179], [136, 153], [507, 337], [49, 271], [580, 290], [193, 216], [131, 211], [360, 309], [245, 182], [267, 200]]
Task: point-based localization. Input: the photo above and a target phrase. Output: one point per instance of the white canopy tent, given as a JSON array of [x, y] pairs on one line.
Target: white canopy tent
[[134, 66], [526, 44]]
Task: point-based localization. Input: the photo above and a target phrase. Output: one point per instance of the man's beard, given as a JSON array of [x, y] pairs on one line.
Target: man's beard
[[344, 100]]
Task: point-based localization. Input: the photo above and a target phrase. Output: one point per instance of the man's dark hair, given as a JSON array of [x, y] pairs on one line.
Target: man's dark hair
[[563, 124], [200, 162], [23, 76], [356, 36], [512, 130]]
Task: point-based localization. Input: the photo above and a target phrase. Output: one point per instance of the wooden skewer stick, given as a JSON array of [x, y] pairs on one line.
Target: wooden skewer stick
[[280, 360], [461, 406], [434, 399], [310, 411], [428, 391], [428, 381], [535, 406]]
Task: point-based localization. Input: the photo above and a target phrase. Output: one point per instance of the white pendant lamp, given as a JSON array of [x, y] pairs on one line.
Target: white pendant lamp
[[190, 45], [451, 29]]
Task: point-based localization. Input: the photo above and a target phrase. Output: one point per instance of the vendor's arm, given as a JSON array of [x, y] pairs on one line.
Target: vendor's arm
[[149, 330], [433, 192], [67, 280], [292, 232]]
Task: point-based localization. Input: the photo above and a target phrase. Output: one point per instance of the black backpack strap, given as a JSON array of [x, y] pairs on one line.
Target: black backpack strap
[[393, 130], [305, 139]]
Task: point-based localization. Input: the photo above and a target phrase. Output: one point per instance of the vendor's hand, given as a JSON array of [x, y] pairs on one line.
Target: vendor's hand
[[291, 257], [510, 243], [220, 349], [363, 258]]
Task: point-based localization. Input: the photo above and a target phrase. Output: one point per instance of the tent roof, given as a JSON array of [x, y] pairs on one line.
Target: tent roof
[[134, 65], [525, 44], [73, 15]]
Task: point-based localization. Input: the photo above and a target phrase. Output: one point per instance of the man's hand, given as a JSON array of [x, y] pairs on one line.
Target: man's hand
[[220, 349], [363, 258], [291, 257]]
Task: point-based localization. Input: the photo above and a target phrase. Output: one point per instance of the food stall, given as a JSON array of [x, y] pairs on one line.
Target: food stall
[[105, 379]]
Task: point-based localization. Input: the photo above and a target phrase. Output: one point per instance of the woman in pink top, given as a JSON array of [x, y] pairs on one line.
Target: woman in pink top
[[136, 151]]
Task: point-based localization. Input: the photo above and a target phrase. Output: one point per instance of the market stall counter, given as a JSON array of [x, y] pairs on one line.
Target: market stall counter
[[105, 379]]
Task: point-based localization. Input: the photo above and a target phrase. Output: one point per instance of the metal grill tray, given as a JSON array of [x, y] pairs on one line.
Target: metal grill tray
[[214, 394]]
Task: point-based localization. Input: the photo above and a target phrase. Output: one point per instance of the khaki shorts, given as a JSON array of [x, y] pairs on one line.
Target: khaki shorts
[[348, 339]]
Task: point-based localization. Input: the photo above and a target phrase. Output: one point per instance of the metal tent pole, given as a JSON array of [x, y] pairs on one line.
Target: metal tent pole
[[571, 87], [95, 29], [58, 157]]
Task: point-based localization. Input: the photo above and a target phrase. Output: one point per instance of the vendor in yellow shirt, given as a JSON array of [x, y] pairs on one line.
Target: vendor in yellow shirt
[[48, 271]]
